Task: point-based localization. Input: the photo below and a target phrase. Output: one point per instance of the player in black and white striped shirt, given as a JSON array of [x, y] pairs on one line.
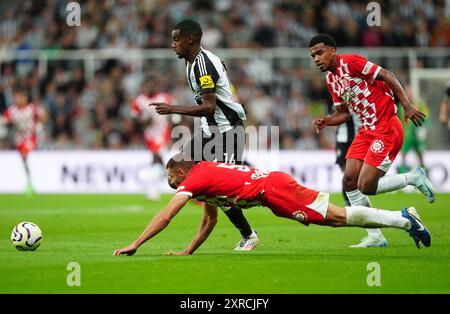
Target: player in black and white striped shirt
[[223, 135]]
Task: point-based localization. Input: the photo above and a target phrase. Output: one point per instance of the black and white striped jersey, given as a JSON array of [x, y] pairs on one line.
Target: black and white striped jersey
[[207, 74]]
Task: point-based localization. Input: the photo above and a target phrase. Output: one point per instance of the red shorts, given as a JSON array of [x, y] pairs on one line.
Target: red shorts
[[27, 145], [287, 198], [378, 149]]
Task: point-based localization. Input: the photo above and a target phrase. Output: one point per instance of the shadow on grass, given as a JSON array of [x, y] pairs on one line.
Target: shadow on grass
[[350, 256]]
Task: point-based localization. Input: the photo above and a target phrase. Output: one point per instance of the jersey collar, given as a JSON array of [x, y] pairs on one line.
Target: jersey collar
[[198, 53]]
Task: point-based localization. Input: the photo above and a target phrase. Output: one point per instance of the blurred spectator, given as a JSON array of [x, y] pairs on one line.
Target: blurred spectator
[[259, 106], [440, 33], [87, 34], [88, 110], [268, 23], [8, 27]]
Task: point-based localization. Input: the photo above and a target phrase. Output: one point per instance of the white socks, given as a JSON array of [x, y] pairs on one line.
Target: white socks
[[359, 214], [395, 182], [356, 198], [366, 217]]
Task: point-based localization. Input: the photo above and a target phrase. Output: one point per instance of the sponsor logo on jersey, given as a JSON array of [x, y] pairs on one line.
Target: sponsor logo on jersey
[[377, 146], [206, 81], [345, 83], [348, 96], [344, 90], [300, 215]]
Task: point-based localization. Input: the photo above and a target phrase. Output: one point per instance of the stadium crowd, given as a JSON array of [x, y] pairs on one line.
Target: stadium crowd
[[95, 112]]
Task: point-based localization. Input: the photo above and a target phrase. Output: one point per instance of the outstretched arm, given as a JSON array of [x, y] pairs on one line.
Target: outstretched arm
[[417, 117], [157, 224], [339, 116], [207, 225], [207, 108]]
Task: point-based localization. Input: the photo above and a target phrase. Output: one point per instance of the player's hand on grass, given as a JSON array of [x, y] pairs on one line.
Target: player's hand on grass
[[417, 117], [320, 123], [129, 250], [185, 252], [162, 108]]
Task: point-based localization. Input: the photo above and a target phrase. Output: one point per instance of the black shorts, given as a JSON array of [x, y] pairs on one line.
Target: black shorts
[[222, 147], [341, 151]]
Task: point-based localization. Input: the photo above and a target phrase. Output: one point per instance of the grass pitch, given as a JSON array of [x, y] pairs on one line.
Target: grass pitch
[[290, 259]]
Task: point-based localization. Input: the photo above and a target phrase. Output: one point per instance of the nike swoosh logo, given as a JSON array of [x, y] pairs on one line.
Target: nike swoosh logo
[[421, 226]]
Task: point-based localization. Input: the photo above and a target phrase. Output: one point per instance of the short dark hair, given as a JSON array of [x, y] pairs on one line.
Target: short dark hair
[[21, 90], [326, 39], [189, 27], [180, 160]]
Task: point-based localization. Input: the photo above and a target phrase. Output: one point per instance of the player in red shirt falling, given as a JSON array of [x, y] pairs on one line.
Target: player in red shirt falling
[[224, 184], [156, 128], [24, 117], [368, 90]]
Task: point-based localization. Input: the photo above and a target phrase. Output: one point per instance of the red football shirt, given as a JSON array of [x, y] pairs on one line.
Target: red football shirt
[[25, 120], [224, 184], [354, 83], [140, 108]]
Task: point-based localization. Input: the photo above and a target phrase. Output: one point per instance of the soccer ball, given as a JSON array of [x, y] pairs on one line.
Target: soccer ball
[[26, 236]]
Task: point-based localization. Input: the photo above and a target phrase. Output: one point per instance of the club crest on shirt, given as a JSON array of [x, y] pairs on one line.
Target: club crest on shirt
[[300, 215], [377, 146]]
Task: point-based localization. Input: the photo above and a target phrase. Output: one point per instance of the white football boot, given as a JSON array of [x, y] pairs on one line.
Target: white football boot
[[371, 241], [248, 243], [423, 184]]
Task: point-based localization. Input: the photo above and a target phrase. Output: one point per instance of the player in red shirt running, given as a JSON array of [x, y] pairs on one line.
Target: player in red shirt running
[[225, 184], [24, 117], [156, 129], [368, 90]]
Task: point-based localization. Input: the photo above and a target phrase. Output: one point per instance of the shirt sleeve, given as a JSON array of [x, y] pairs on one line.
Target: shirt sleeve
[[206, 74], [190, 186], [135, 110], [363, 68], [337, 101], [7, 116]]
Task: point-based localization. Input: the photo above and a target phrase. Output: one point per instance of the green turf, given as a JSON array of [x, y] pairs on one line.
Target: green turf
[[290, 259]]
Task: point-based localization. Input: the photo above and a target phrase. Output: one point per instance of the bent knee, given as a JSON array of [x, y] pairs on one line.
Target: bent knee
[[367, 188], [349, 183]]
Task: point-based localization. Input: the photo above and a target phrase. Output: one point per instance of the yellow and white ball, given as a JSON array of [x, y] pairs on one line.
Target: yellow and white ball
[[26, 236]]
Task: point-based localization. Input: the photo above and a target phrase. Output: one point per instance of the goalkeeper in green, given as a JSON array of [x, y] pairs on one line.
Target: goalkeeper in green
[[414, 136]]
